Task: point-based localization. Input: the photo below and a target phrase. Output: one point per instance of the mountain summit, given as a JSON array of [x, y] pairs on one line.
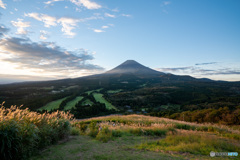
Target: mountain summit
[[132, 67]]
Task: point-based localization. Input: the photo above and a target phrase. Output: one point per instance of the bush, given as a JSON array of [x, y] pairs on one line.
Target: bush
[[117, 133], [183, 126], [104, 135], [93, 129]]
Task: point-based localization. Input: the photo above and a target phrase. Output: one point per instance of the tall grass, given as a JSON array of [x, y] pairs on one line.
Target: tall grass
[[23, 132]]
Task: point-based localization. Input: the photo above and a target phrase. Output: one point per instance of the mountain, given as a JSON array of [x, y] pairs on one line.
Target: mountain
[[133, 67], [129, 84]]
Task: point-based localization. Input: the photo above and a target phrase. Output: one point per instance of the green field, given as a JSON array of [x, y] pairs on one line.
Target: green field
[[114, 91], [72, 103], [96, 90], [52, 105], [87, 102], [99, 98]]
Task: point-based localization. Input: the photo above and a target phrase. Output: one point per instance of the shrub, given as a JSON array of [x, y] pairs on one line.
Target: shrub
[[182, 126], [117, 133], [93, 129], [104, 135]]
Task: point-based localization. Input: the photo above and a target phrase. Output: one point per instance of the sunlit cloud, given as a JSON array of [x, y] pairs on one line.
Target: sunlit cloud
[[21, 26], [2, 5], [45, 58]]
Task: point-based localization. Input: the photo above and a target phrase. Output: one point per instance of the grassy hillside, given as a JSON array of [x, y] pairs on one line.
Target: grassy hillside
[[144, 137]]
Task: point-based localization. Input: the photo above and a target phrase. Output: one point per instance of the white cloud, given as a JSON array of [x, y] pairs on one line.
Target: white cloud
[[115, 10], [2, 5], [15, 9], [21, 26], [52, 1], [126, 15], [98, 30], [109, 15], [46, 19], [86, 3], [43, 34], [165, 3], [68, 24], [78, 10], [104, 27]]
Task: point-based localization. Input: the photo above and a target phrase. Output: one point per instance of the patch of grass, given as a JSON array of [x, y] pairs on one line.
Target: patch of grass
[[192, 143], [96, 90], [72, 103], [84, 147], [114, 91], [52, 105], [87, 102], [75, 131], [99, 98]]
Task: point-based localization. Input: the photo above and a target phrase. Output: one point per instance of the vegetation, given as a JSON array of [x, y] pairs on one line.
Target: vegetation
[[23, 132], [72, 103], [151, 137], [193, 143], [99, 98], [53, 105], [221, 115]]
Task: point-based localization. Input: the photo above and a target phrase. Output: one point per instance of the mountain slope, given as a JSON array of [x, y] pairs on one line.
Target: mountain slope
[[133, 67]]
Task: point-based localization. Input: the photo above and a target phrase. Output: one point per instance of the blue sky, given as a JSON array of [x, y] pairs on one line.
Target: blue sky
[[52, 39]]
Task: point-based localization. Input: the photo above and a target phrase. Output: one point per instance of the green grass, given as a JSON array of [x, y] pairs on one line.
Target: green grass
[[96, 90], [114, 91], [71, 87], [52, 105], [72, 103], [87, 102], [84, 147], [99, 98], [193, 143]]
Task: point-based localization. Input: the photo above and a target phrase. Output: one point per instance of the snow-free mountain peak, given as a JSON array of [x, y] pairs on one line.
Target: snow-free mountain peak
[[132, 67]]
